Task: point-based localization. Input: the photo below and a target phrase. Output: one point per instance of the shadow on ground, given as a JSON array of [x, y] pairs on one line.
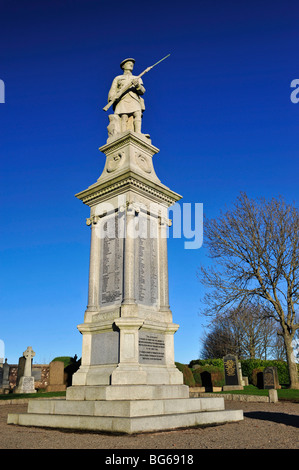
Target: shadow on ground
[[281, 418]]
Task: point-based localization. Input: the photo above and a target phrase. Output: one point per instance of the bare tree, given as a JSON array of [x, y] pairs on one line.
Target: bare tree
[[245, 332], [219, 341], [278, 347], [257, 329], [255, 247]]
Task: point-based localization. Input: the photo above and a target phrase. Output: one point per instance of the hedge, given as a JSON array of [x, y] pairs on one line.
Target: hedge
[[67, 360], [195, 376], [205, 362], [213, 373], [187, 374], [248, 366]]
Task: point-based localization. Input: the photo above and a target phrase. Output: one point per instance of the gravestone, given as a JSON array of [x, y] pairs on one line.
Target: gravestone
[[270, 378], [25, 382], [36, 374], [21, 369], [56, 377], [5, 378], [127, 380], [232, 375], [5, 381]]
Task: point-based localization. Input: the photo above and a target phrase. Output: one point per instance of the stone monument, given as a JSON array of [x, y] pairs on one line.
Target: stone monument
[[5, 377], [127, 381], [232, 373], [26, 380], [270, 378], [56, 377]]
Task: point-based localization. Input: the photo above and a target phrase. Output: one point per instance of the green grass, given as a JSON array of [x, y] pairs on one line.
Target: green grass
[[16, 396], [248, 390], [283, 393], [288, 394]]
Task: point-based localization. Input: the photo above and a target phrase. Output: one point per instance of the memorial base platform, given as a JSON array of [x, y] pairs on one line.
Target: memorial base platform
[[126, 416]]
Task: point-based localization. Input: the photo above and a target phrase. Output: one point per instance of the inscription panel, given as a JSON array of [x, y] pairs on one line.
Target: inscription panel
[[231, 370], [146, 262], [151, 348], [28, 384], [105, 348], [111, 262]]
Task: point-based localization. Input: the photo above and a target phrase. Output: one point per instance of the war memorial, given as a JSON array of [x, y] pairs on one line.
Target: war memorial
[[127, 381]]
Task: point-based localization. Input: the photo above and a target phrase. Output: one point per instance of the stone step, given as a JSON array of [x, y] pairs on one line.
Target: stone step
[[126, 408], [127, 392], [127, 425]]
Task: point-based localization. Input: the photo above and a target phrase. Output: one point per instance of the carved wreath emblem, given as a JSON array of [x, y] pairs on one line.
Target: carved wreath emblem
[[143, 163], [230, 367], [114, 162]]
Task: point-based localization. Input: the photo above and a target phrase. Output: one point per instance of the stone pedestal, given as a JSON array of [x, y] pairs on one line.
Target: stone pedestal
[[127, 381], [26, 385], [128, 329]]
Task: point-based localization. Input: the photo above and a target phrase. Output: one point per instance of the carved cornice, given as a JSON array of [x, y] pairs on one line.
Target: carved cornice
[[126, 139], [128, 181]]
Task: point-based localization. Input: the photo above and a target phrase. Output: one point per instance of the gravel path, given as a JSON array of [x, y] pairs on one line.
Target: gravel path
[[265, 426]]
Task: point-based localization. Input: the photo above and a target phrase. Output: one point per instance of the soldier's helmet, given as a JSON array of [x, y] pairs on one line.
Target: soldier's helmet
[[126, 60]]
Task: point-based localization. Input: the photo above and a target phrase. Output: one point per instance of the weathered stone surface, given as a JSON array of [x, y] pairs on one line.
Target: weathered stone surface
[[127, 381], [56, 377], [270, 378]]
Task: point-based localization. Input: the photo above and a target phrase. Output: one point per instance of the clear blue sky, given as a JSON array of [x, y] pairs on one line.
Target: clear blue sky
[[218, 109]]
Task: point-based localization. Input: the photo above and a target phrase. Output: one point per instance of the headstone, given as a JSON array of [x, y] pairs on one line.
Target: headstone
[[5, 382], [270, 378], [21, 369], [4, 377], [232, 373], [231, 370], [26, 381], [56, 377]]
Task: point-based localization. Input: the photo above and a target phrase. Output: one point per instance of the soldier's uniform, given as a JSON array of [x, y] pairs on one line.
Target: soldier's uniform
[[131, 101]]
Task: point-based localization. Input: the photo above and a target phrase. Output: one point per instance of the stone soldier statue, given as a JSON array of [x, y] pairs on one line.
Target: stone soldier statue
[[130, 103]]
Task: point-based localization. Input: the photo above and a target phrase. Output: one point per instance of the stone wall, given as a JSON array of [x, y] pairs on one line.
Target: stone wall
[[39, 371]]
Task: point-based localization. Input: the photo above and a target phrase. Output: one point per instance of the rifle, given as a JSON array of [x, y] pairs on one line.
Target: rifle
[[127, 87]]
